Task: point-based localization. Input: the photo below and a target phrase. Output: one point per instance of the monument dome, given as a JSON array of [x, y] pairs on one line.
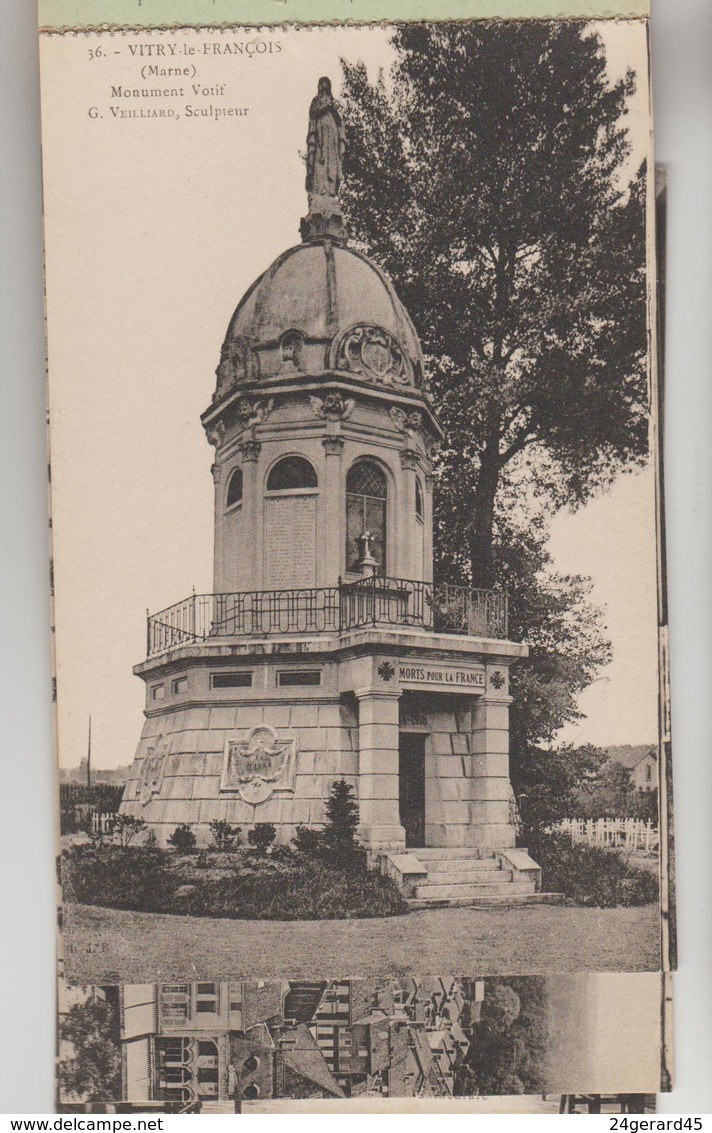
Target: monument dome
[[321, 306]]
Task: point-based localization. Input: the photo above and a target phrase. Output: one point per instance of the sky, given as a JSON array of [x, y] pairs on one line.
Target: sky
[[154, 229]]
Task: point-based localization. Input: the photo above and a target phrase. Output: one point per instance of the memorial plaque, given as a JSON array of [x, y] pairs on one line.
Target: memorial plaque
[[449, 678], [290, 543]]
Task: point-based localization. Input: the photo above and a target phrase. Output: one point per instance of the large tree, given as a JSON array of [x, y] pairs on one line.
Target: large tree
[[488, 175], [553, 614], [91, 1069], [508, 1044]]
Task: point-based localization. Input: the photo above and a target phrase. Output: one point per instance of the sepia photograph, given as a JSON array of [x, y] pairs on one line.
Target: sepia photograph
[[254, 1046], [356, 634]]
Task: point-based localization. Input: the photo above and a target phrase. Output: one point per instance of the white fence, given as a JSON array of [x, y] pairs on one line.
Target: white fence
[[102, 823], [621, 833]]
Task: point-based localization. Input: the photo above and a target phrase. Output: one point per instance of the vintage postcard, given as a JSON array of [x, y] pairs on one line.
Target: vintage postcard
[[354, 435]]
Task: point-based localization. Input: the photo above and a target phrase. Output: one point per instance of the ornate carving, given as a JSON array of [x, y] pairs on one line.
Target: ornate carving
[[151, 776], [333, 446], [291, 344], [374, 353], [332, 407], [432, 447], [408, 423], [386, 671], [498, 679], [250, 450], [249, 414], [410, 459], [260, 765], [233, 366], [216, 471], [216, 433]]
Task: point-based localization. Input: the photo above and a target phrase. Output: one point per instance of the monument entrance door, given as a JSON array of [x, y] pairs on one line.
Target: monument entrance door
[[411, 787]]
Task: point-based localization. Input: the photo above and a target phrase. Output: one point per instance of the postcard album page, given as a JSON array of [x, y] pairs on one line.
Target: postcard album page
[[361, 717]]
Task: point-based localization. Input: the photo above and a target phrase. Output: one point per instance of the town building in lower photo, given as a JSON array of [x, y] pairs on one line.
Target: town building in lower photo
[[249, 1044], [213, 1046]]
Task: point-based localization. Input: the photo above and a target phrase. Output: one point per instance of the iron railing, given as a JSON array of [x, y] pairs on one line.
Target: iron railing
[[374, 601]]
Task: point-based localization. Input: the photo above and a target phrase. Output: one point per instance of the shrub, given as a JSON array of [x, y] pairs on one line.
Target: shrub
[[303, 888], [339, 835], [307, 840], [590, 874], [128, 828], [262, 836], [226, 837], [282, 886], [183, 839], [120, 877]]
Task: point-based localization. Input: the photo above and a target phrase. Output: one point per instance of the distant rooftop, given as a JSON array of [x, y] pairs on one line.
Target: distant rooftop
[[630, 755]]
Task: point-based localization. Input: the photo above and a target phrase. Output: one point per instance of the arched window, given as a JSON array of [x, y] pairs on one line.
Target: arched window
[[366, 506], [291, 472], [234, 488], [418, 501]]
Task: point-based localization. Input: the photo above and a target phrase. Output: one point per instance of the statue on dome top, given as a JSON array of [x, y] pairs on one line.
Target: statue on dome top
[[326, 143]]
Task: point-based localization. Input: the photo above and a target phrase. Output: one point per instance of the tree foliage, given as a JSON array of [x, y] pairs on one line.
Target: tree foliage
[[488, 176], [508, 1049], [342, 817], [92, 1072], [225, 836], [183, 839], [552, 614], [261, 836]]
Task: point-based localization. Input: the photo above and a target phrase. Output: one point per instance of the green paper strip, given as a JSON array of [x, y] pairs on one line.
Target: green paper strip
[[86, 14]]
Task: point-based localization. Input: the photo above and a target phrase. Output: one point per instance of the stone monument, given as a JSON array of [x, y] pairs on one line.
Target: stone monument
[[326, 650]]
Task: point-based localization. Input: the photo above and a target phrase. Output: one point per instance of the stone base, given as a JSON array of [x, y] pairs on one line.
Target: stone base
[[205, 742], [485, 836], [379, 839], [324, 219]]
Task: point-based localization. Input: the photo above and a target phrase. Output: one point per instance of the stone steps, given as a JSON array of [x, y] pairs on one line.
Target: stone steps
[[461, 876], [454, 865], [491, 901], [468, 877], [497, 888]]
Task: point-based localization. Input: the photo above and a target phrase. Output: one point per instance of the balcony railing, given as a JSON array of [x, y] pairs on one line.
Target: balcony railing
[[375, 601]]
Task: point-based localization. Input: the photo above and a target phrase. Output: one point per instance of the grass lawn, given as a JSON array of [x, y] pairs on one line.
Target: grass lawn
[[105, 945]]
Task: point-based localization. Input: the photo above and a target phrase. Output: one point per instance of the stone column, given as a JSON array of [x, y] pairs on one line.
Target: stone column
[[329, 564], [491, 828], [252, 502], [409, 567], [428, 524], [218, 530], [380, 827]]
